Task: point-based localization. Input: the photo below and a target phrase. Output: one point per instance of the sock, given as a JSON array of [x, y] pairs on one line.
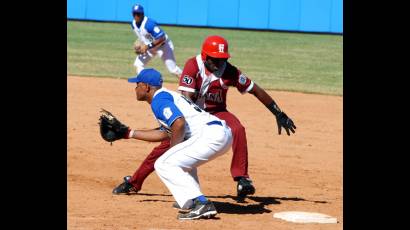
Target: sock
[[202, 199]]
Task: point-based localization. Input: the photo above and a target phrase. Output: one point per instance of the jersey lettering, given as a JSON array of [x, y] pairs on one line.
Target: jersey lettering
[[215, 97]]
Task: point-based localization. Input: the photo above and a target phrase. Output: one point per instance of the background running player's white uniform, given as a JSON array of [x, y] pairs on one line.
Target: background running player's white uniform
[[147, 32], [206, 137]]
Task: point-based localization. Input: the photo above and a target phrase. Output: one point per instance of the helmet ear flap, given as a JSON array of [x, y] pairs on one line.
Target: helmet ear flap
[[203, 56]]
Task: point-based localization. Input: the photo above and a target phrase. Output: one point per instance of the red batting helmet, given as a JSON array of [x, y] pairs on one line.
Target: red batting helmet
[[215, 46]]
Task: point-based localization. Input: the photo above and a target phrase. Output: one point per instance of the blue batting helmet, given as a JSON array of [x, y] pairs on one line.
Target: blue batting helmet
[[137, 8]]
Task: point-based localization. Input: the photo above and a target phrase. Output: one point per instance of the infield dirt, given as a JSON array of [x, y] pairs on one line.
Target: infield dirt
[[301, 172]]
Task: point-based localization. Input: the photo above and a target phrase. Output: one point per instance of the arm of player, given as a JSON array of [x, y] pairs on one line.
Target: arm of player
[[168, 114], [158, 41], [177, 131], [157, 33], [281, 118], [154, 135], [153, 44], [261, 94], [187, 80]]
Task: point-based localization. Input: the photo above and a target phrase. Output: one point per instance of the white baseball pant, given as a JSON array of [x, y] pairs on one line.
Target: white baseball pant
[[177, 167], [165, 52]]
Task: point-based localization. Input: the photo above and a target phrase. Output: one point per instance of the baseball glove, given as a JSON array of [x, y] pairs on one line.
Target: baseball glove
[[139, 47], [111, 129]]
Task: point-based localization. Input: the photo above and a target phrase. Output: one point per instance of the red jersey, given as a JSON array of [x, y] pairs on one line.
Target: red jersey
[[210, 90]]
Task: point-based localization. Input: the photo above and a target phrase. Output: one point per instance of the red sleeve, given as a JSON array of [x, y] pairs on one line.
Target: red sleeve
[[243, 84], [187, 81], [238, 79]]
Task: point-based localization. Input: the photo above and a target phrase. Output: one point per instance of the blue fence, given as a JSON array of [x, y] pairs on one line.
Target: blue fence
[[293, 15]]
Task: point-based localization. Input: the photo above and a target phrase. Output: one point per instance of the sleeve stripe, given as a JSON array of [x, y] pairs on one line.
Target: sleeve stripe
[[250, 87], [183, 88], [170, 123], [160, 35]]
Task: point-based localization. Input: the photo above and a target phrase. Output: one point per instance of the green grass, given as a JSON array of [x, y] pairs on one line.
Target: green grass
[[311, 63]]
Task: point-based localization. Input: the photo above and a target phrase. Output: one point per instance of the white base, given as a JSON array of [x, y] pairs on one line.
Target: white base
[[305, 217]]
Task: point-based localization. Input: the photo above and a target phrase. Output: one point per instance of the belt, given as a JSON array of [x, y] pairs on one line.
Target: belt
[[214, 123]]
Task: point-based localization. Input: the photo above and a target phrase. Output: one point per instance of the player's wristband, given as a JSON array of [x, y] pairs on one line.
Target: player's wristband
[[151, 45], [131, 133], [273, 107]]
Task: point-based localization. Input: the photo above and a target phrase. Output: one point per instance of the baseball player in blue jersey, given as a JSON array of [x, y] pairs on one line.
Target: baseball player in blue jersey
[[196, 137], [155, 42]]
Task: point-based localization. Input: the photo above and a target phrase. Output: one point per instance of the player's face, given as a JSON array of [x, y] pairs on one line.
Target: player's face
[[215, 64], [141, 91], [138, 17]]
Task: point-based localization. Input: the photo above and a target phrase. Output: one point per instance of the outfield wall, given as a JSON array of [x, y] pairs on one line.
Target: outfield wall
[[290, 15]]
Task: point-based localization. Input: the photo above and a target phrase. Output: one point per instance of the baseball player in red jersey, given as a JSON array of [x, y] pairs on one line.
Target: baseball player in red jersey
[[206, 79]]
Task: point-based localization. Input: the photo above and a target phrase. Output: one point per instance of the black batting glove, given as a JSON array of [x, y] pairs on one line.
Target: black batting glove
[[281, 119], [284, 121]]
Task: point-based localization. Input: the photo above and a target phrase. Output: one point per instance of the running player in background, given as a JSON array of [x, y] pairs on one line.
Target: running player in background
[[155, 42]]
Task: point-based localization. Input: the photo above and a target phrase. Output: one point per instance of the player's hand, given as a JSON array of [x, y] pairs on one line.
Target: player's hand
[[139, 47], [284, 121], [143, 49]]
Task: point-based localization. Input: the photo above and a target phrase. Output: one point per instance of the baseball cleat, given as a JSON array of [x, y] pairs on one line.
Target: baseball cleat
[[244, 188], [124, 188], [181, 210], [199, 211]]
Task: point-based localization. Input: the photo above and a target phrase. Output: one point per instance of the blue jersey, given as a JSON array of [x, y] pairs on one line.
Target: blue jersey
[[168, 106], [148, 30]]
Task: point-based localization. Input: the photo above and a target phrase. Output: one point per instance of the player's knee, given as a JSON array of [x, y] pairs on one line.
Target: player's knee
[[139, 66], [172, 67], [177, 71]]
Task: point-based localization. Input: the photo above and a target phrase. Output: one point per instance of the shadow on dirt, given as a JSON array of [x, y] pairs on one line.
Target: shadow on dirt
[[235, 206], [241, 206]]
